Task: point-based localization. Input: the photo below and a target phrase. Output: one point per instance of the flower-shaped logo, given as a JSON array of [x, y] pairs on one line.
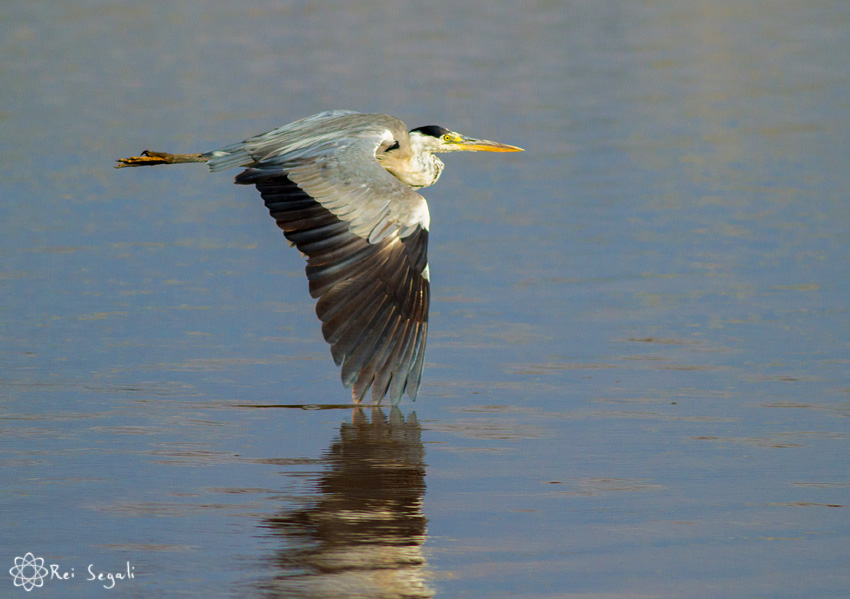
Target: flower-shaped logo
[[29, 572]]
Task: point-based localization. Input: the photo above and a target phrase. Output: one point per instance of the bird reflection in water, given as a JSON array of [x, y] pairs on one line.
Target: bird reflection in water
[[363, 535]]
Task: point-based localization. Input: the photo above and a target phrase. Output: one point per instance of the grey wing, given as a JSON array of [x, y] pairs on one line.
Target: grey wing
[[365, 235], [287, 140], [331, 157]]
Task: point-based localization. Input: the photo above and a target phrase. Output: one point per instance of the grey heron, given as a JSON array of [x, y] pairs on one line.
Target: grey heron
[[341, 185]]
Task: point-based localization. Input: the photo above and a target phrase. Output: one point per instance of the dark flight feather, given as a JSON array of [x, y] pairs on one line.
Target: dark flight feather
[[372, 297]]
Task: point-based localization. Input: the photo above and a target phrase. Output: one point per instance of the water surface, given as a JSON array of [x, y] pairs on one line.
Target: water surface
[[636, 382]]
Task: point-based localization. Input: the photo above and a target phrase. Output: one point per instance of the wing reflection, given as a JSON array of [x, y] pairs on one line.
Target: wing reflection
[[363, 536]]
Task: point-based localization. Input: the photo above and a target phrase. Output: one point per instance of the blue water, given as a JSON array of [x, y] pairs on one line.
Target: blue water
[[636, 382]]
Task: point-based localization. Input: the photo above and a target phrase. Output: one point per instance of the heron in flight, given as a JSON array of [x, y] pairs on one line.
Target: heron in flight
[[342, 186]]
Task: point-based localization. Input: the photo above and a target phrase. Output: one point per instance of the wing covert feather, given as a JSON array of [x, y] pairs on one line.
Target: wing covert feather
[[331, 157]]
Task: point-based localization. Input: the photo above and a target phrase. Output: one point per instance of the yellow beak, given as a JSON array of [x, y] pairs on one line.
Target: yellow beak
[[483, 145]]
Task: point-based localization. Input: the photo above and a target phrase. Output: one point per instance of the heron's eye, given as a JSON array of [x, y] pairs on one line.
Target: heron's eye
[[448, 137]]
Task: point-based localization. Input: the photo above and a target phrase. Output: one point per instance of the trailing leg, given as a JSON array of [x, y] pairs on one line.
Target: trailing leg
[[150, 158]]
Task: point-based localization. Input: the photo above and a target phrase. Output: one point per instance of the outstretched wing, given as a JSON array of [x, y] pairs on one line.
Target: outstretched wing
[[365, 235]]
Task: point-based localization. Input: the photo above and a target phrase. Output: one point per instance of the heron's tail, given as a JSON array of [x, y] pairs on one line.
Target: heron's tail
[[149, 158]]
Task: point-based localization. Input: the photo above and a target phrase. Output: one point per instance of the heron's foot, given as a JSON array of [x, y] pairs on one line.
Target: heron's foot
[[151, 158], [148, 158]]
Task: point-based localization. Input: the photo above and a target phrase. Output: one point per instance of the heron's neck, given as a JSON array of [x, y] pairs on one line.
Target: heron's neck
[[423, 169]]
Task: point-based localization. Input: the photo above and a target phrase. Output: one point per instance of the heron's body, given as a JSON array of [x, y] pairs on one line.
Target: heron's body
[[341, 186]]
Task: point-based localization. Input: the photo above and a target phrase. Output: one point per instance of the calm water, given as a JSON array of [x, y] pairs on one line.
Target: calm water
[[638, 374]]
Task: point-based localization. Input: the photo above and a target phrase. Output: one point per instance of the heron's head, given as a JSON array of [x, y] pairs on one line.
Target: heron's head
[[432, 138]]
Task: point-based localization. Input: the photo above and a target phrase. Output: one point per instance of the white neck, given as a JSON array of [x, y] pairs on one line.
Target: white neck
[[423, 168]]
